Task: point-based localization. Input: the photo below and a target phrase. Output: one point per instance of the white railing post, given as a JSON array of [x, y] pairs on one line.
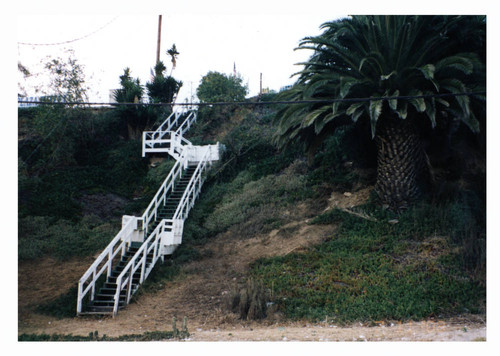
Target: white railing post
[[144, 138], [143, 265], [117, 294], [92, 293], [110, 262], [79, 299]]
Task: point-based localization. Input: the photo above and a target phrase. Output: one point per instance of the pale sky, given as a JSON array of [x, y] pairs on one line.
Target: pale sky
[[254, 42], [258, 36]]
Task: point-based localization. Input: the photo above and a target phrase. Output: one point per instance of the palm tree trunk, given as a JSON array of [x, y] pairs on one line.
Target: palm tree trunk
[[401, 163]]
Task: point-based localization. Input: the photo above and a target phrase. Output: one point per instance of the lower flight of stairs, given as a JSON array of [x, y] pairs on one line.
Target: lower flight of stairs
[[104, 301]]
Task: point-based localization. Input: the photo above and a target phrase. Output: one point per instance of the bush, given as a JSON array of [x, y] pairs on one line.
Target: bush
[[251, 301], [62, 307], [247, 204], [62, 239]]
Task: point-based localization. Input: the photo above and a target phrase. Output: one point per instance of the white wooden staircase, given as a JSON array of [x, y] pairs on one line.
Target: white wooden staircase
[[126, 262]]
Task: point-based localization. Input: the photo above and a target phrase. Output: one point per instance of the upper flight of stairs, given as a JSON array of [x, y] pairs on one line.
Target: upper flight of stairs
[[118, 272]]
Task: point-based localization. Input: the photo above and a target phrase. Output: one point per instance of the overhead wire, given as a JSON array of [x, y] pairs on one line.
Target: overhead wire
[[405, 97], [283, 102], [68, 41]]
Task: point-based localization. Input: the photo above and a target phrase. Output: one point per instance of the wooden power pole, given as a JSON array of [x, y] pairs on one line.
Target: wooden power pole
[[159, 40], [260, 93]]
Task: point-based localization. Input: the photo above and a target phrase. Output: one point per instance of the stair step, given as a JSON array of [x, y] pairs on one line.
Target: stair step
[[100, 308], [101, 304], [107, 291], [102, 298], [135, 245]]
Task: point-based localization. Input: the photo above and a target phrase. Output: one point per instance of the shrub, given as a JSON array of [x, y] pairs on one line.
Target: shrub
[[62, 239], [248, 203], [250, 301]]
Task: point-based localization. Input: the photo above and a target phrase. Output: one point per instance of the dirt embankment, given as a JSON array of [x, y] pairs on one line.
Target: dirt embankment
[[200, 294]]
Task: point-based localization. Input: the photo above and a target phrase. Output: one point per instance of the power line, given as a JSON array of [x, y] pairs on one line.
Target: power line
[[69, 41], [284, 102]]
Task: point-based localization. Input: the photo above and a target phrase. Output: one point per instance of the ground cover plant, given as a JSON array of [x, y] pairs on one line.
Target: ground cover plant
[[382, 267]]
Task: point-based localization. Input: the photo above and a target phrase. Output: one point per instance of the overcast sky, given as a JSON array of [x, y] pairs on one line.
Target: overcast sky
[[257, 36], [253, 42]]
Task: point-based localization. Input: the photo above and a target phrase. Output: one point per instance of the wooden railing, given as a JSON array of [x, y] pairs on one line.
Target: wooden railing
[[169, 231], [104, 263], [163, 138], [158, 237]]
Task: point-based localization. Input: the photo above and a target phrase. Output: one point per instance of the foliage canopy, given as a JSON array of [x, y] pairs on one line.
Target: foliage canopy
[[385, 56], [219, 87]]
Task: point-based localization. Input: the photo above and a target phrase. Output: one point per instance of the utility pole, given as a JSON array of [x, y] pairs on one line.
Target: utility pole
[[260, 93], [159, 40]]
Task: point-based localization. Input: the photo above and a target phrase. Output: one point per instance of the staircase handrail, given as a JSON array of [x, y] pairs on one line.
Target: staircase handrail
[[186, 124], [191, 187], [178, 142], [169, 134], [126, 276], [166, 129], [168, 123], [151, 211], [110, 253]]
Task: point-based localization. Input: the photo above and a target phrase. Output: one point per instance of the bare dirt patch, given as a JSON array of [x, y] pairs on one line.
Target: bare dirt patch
[[43, 280], [348, 199]]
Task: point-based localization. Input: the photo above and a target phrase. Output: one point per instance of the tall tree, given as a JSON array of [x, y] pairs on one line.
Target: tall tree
[[67, 78], [173, 53], [388, 56], [219, 87]]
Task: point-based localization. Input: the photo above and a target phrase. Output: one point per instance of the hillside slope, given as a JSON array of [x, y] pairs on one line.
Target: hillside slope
[[201, 289], [264, 215]]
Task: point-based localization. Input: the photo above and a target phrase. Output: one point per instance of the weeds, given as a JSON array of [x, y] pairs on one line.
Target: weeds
[[62, 239], [94, 336]]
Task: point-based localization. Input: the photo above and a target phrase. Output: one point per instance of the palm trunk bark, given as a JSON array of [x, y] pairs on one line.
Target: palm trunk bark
[[401, 163]]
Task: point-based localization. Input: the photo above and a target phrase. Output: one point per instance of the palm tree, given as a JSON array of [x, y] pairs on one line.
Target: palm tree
[[377, 57], [163, 89], [173, 53]]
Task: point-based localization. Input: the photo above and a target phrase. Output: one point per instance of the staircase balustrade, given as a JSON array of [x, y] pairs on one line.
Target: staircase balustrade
[[168, 233]]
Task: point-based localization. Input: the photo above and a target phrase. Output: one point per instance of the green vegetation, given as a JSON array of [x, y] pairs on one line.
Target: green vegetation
[[45, 236], [81, 169], [372, 269], [218, 87], [389, 56], [66, 156], [61, 307], [94, 336], [162, 88]]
